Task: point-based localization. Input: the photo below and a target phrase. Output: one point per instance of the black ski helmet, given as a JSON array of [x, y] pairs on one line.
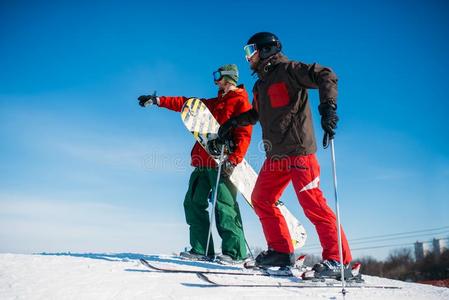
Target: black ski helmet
[[267, 44]]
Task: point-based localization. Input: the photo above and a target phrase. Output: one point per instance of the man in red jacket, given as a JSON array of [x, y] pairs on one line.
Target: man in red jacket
[[281, 105], [232, 100]]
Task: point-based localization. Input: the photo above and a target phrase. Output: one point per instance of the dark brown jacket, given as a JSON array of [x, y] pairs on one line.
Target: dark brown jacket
[[282, 101]]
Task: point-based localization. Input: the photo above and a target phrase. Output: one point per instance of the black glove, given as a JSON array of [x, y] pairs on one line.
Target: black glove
[[227, 168], [249, 117], [146, 100], [226, 127], [214, 146], [329, 119]]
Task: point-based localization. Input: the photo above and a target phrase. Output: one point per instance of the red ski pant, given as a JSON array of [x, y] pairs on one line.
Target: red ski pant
[[304, 172]]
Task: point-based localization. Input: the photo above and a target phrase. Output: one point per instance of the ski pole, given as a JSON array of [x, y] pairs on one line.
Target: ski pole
[[214, 201], [249, 249], [337, 209]]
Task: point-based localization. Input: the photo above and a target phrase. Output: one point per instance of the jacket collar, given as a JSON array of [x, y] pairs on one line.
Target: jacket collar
[[239, 91], [267, 65]]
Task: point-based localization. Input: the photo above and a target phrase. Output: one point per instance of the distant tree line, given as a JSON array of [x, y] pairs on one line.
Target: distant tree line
[[401, 265]]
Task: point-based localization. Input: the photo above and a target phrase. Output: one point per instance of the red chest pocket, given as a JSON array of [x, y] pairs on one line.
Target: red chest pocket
[[278, 94]]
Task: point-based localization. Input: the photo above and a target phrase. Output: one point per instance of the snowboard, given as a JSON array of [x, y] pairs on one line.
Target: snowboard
[[204, 127]]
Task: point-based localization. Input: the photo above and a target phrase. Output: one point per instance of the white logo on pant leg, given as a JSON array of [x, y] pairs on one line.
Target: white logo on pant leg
[[312, 185]]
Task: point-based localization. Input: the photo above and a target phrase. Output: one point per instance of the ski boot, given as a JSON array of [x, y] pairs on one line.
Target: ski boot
[[272, 258], [225, 259], [191, 255], [328, 269]]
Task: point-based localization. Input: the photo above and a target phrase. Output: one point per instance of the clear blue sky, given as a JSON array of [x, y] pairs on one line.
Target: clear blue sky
[[84, 168]]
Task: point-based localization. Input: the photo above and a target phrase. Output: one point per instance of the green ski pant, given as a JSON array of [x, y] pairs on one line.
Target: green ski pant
[[227, 214]]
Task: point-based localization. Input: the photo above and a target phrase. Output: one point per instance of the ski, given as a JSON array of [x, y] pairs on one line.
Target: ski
[[237, 271], [228, 282], [247, 278]]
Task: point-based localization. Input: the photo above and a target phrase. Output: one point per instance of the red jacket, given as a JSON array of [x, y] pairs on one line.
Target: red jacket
[[222, 108]]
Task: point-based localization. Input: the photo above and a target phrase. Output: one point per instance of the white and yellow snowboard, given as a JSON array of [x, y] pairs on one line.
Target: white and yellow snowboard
[[202, 124]]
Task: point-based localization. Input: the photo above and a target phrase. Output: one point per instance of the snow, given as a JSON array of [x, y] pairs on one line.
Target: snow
[[121, 276]]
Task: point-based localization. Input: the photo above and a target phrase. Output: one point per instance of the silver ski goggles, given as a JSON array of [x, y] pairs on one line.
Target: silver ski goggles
[[250, 50], [218, 75]]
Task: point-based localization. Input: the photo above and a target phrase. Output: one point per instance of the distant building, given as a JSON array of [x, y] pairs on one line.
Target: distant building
[[439, 245], [436, 247], [421, 250]]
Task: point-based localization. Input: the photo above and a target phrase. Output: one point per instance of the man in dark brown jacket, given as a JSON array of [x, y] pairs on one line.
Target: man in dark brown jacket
[[282, 107]]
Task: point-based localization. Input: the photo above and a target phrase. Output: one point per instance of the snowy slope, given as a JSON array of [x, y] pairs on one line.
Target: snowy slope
[[121, 276]]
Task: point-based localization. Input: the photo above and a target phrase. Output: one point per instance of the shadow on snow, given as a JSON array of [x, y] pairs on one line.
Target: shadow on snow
[[124, 257]]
